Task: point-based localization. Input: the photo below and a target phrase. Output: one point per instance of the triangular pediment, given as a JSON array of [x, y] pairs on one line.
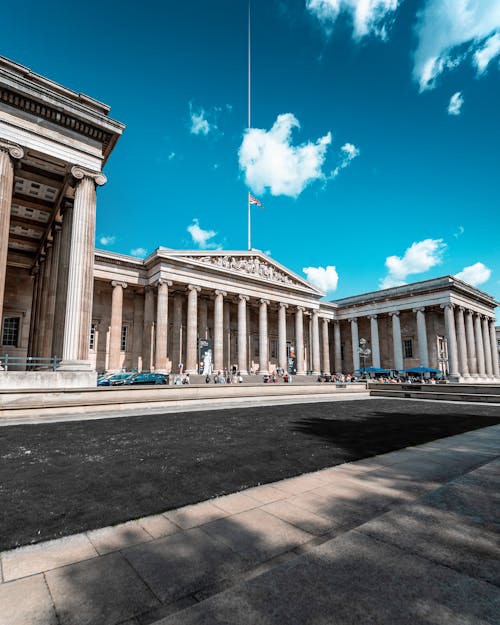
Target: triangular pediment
[[249, 264]]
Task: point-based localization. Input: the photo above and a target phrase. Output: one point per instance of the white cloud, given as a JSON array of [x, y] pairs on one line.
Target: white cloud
[[350, 152], [107, 239], [368, 16], [202, 237], [474, 274], [487, 53], [455, 104], [269, 159], [171, 156], [451, 31], [459, 233], [325, 278], [419, 257], [140, 252], [199, 122]]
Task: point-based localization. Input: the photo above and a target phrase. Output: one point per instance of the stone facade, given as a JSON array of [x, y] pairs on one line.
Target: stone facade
[[96, 310]]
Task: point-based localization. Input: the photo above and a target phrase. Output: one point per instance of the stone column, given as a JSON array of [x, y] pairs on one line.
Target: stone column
[[62, 281], [326, 345], [115, 332], [471, 345], [81, 272], [138, 331], [423, 351], [263, 340], [494, 349], [36, 274], [355, 343], [242, 335], [282, 359], [192, 329], [487, 348], [396, 341], [375, 342], [161, 325], [52, 293], [149, 328], [226, 322], [299, 339], [463, 365], [478, 334], [42, 306], [338, 346], [451, 337], [316, 360], [8, 153], [203, 316], [219, 330], [177, 357]]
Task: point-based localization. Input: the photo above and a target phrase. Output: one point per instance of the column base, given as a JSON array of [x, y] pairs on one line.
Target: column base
[[301, 373], [75, 365], [190, 371], [316, 373], [243, 372]]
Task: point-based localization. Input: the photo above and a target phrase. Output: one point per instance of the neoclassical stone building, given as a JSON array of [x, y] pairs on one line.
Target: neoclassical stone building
[[101, 311]]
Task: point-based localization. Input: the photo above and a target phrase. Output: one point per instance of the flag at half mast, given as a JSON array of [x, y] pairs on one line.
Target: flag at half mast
[[254, 200]]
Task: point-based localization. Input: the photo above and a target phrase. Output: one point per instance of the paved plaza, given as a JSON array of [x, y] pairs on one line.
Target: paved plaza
[[409, 536], [63, 478]]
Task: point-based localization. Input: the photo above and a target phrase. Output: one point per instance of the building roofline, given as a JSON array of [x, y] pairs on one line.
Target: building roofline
[[440, 283]]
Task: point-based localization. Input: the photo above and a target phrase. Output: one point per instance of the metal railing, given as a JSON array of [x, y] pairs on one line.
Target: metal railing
[[29, 363]]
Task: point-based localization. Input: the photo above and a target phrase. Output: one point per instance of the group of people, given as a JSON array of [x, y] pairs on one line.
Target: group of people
[[225, 377], [275, 376]]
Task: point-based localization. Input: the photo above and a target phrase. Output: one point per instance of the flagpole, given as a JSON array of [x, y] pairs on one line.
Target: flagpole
[[249, 122]]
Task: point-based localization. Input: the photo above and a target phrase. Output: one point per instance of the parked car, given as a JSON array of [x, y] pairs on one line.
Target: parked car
[[147, 378], [115, 379]]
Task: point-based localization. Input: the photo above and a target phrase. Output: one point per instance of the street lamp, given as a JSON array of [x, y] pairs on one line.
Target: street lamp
[[364, 352]]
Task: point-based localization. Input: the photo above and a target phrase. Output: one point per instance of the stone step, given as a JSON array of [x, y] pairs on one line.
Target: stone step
[[436, 395]]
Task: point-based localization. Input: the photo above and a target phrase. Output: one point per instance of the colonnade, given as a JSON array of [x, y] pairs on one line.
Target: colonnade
[[156, 327], [471, 346]]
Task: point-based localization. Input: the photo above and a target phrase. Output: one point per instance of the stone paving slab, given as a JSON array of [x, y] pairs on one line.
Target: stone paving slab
[[158, 525], [233, 504], [301, 518], [300, 484], [195, 515], [442, 537], [256, 535], [471, 497], [26, 602], [183, 563], [45, 556], [350, 580], [116, 537], [265, 494], [105, 590]]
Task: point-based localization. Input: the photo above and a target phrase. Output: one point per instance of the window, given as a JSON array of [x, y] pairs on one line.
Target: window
[[273, 348], [123, 341], [408, 348], [92, 337], [10, 333]]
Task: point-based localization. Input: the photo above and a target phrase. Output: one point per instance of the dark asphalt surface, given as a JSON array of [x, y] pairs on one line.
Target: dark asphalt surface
[[61, 478]]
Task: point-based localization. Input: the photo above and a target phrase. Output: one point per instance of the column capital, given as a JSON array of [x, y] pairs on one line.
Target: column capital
[[115, 283], [79, 173], [448, 305], [353, 320], [314, 311], [193, 287], [15, 151], [264, 301], [301, 308], [243, 298], [282, 305], [372, 316], [418, 309], [161, 281], [394, 313], [223, 293]]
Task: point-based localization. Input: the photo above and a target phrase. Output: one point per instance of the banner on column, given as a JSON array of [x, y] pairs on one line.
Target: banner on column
[[205, 357], [291, 359]]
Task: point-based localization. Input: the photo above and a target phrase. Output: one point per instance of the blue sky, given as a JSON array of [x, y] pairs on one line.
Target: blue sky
[[375, 129]]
